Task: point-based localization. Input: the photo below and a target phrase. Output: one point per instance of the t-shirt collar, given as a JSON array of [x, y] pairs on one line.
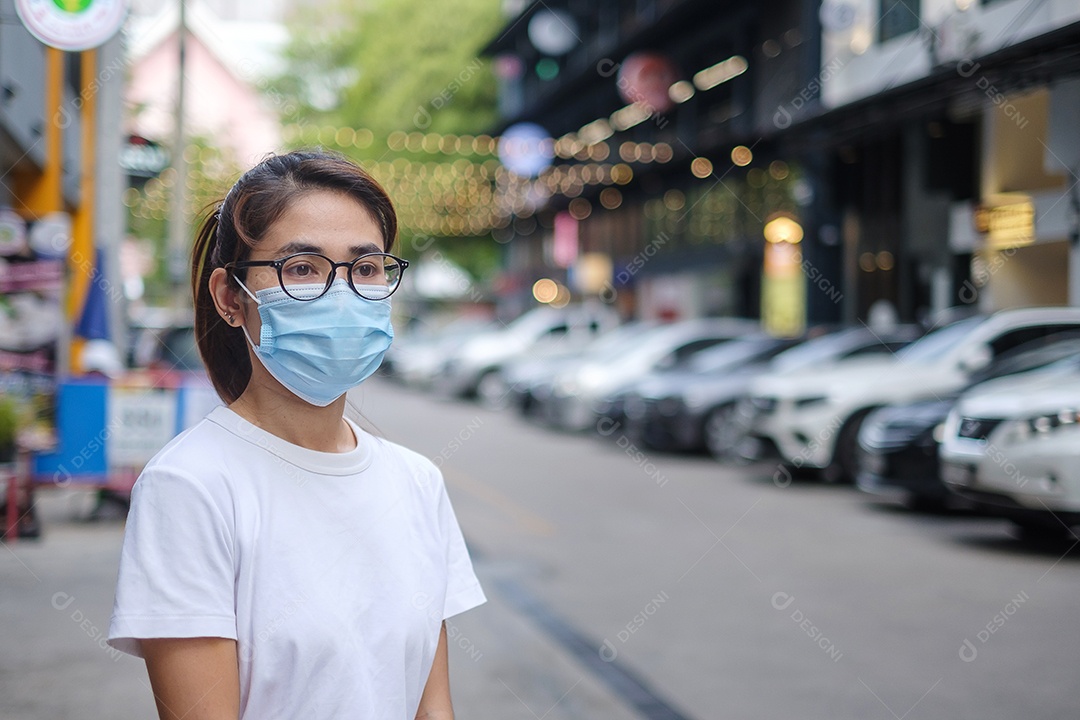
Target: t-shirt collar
[[322, 463]]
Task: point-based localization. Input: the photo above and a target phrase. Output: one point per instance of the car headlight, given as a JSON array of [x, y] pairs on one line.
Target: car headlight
[[1039, 425], [811, 400]]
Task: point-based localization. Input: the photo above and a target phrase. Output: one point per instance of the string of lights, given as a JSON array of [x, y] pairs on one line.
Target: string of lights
[[462, 189]]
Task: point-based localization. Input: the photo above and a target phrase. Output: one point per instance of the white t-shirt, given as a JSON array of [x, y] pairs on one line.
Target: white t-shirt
[[332, 571]]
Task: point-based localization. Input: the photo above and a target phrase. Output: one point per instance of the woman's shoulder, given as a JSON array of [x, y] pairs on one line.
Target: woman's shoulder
[[400, 453], [197, 452], [417, 466]]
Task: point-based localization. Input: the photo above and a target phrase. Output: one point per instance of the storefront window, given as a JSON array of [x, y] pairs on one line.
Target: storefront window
[[898, 17]]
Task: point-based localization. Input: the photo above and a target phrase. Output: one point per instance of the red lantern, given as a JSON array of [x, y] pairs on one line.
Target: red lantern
[[645, 77]]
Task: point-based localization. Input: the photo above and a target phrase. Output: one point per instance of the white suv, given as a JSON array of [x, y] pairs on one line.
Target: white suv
[[1012, 447], [473, 368], [812, 417]]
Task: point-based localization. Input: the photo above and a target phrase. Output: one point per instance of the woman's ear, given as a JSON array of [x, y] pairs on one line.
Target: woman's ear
[[226, 298]]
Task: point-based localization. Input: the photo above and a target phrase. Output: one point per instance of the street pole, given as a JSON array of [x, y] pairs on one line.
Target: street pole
[[178, 225], [109, 218]]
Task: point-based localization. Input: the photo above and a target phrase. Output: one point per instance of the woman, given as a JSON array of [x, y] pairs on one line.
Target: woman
[[279, 562]]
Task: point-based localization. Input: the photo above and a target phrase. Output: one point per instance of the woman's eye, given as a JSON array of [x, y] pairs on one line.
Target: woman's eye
[[366, 270], [300, 270]]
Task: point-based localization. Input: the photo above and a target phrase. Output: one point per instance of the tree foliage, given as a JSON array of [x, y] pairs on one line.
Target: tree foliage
[[396, 66], [375, 65]]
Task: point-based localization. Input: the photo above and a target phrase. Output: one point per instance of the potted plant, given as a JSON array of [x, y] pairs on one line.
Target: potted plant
[[10, 420]]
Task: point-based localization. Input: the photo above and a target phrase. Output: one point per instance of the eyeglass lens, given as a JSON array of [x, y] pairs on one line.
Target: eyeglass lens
[[373, 276]]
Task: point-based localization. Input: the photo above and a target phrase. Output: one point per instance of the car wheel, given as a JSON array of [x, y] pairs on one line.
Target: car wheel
[[722, 434], [845, 462], [491, 391]]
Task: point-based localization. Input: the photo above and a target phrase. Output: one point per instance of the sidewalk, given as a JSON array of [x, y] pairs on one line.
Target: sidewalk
[[56, 595]]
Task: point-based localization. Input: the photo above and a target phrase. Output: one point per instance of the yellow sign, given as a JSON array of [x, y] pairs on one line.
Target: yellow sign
[[783, 290], [1007, 226]]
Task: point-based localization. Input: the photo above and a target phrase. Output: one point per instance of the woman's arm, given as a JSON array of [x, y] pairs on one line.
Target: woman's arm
[[435, 702], [194, 678]]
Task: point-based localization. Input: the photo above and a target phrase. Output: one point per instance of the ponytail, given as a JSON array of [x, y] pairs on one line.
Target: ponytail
[[222, 347]]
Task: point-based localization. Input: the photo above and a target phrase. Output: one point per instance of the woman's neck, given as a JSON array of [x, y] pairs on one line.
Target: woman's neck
[[280, 413]]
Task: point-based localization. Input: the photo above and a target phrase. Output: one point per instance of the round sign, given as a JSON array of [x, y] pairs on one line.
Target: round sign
[[12, 232], [526, 149], [553, 32], [837, 15], [50, 237], [644, 78], [72, 25]]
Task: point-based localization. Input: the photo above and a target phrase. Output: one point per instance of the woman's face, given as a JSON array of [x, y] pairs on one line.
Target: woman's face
[[325, 222]]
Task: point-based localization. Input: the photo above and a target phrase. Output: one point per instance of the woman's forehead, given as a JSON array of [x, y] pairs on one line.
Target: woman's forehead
[[326, 222]]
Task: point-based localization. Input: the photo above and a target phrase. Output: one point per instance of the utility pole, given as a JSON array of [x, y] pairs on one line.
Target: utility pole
[[178, 219]]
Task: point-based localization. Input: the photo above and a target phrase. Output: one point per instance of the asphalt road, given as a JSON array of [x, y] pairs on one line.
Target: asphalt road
[[637, 585], [721, 592]]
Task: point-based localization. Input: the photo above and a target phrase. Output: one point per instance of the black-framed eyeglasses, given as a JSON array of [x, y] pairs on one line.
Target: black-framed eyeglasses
[[308, 276]]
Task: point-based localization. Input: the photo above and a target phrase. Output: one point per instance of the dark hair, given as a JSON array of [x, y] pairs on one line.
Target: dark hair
[[229, 233]]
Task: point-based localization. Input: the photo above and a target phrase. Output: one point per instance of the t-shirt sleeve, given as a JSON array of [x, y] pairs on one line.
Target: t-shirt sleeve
[[463, 591], [177, 577]]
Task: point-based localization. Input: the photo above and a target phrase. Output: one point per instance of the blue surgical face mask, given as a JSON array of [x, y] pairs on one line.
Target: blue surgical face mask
[[319, 349]]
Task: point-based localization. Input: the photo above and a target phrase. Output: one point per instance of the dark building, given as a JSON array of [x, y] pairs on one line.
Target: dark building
[[896, 144]]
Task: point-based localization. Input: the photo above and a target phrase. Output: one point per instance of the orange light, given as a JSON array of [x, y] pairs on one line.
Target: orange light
[[741, 155], [701, 167], [545, 290]]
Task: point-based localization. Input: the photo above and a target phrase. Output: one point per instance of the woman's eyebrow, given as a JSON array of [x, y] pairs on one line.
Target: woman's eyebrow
[[365, 249], [301, 246]]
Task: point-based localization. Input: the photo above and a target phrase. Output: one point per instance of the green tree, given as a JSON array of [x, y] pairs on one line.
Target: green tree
[[390, 67], [374, 65]]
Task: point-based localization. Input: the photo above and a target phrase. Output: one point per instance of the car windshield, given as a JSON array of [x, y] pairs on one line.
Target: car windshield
[[810, 352], [532, 323], [617, 342], [819, 350], [728, 355], [938, 343], [1049, 355]]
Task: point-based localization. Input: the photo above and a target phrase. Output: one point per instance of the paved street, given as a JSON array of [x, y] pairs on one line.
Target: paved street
[[627, 585]]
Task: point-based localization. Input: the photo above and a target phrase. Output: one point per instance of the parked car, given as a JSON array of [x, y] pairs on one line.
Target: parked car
[[817, 354], [529, 379], [899, 443], [1012, 448], [813, 417], [688, 408], [579, 392], [728, 431], [416, 358], [472, 370]]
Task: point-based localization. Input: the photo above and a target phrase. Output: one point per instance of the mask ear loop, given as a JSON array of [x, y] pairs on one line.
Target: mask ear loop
[[245, 288], [243, 326], [247, 335]]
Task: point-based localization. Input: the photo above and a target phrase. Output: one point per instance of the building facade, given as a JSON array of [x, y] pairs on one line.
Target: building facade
[[797, 159]]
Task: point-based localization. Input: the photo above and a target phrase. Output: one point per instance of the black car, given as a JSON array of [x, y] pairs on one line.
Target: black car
[[686, 410], [898, 444]]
